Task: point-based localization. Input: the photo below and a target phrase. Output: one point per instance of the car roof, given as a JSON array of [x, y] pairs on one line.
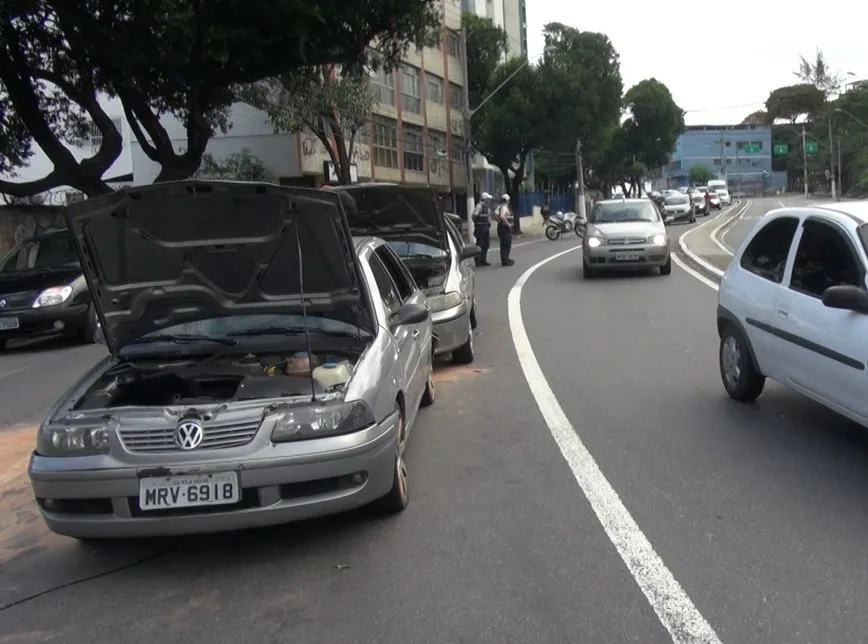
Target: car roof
[[856, 209], [632, 200]]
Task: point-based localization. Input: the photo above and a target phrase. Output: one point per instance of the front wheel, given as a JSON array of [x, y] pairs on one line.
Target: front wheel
[[464, 353], [553, 232], [397, 498], [741, 378], [666, 269]]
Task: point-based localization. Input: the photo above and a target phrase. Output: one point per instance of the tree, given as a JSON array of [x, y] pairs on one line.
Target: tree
[[332, 103], [503, 129], [238, 166], [179, 57], [760, 117], [818, 74], [486, 45], [795, 101], [700, 175], [652, 127]]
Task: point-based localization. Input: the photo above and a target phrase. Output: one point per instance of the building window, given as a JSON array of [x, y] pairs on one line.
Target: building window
[[728, 144], [437, 141], [414, 148], [383, 87], [385, 142], [434, 88], [717, 162], [458, 150], [456, 97], [453, 44], [410, 91]]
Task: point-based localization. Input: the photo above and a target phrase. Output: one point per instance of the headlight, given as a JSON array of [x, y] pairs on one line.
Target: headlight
[[445, 301], [52, 296], [75, 440], [319, 421], [658, 240], [594, 242]]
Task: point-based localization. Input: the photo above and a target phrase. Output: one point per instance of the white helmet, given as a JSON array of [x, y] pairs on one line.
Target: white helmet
[[485, 196], [560, 213], [505, 197]]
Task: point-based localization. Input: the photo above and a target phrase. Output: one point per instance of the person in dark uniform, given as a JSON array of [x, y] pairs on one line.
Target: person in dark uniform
[[503, 215], [482, 228]]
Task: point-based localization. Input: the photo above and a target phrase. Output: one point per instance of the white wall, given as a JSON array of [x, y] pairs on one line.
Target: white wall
[[250, 128]]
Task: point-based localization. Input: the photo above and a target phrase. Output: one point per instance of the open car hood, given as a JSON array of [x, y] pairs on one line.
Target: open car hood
[[393, 211], [161, 255]]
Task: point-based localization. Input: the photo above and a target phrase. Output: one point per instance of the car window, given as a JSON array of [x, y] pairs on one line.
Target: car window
[[388, 290], [824, 258], [397, 271], [676, 200], [50, 251], [766, 254]]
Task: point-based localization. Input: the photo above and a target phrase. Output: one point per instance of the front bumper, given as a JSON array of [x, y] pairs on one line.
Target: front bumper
[[626, 257], [680, 215], [451, 328], [279, 483], [37, 323]]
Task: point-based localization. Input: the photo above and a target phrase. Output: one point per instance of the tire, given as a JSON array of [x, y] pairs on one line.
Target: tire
[[464, 353], [3, 342], [588, 272], [428, 396], [89, 332], [553, 233], [741, 379], [473, 321], [398, 497], [666, 269]]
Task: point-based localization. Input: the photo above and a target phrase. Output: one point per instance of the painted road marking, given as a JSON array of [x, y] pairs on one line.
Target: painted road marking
[[682, 243], [674, 608], [729, 222], [694, 273]]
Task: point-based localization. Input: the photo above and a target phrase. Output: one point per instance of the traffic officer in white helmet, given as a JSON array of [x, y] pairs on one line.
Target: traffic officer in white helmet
[[503, 216]]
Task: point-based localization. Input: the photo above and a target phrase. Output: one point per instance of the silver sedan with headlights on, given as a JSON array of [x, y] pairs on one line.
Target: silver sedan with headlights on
[[265, 366], [625, 234]]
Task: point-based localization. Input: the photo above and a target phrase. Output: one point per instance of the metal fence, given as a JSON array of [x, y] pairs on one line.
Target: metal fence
[[554, 200]]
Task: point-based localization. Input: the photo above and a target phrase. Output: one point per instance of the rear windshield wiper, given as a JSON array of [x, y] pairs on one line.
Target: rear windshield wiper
[[184, 339], [293, 330]]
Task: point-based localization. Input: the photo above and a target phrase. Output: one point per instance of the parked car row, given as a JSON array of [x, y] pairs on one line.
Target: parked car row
[[269, 350]]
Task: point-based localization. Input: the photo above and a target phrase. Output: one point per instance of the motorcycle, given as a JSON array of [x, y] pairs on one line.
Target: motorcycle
[[560, 223]]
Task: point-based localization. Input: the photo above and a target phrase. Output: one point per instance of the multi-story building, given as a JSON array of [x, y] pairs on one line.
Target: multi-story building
[[742, 154]]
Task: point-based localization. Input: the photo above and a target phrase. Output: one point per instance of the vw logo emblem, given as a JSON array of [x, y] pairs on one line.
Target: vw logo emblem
[[189, 434]]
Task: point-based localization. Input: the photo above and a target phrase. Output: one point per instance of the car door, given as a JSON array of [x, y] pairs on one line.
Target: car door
[[827, 352], [416, 339], [466, 273], [763, 263]]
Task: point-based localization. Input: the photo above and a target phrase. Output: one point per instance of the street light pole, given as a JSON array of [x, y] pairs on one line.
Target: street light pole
[[832, 159], [468, 147], [580, 184], [805, 160], [840, 182]]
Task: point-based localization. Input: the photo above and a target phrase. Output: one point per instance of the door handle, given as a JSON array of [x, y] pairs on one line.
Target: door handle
[[415, 333]]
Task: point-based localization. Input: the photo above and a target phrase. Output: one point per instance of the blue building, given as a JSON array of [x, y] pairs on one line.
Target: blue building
[[741, 154]]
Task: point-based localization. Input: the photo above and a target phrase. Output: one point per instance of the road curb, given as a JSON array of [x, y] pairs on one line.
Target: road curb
[[685, 253]]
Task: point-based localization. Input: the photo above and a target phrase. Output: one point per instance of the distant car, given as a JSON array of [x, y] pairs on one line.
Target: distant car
[[678, 207], [793, 307], [625, 234], [264, 366], [43, 291], [714, 200], [410, 220], [700, 206], [724, 196]]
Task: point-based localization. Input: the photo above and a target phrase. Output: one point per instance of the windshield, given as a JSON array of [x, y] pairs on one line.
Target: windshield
[[721, 190], [225, 326], [676, 200], [408, 249], [48, 251], [605, 213]]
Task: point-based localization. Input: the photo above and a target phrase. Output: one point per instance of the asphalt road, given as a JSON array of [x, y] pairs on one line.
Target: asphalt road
[[748, 519]]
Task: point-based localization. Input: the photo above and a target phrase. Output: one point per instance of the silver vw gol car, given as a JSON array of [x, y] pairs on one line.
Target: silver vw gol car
[[264, 366]]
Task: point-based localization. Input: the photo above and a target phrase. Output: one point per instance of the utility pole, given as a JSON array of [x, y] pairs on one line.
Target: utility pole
[[805, 159], [832, 159], [840, 182], [580, 184], [468, 147]]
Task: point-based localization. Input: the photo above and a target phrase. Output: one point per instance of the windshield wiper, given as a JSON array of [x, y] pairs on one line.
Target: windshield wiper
[[184, 339], [293, 330]]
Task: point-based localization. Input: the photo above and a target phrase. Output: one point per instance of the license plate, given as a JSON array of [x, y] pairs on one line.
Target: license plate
[[167, 492], [8, 324], [626, 257]]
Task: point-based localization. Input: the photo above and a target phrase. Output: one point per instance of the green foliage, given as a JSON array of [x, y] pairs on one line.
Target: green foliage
[[332, 103], [700, 175], [168, 57], [818, 74], [760, 117], [654, 124], [486, 45], [239, 166], [795, 101]]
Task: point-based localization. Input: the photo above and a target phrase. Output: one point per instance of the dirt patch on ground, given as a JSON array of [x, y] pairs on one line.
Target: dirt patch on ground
[[453, 373], [21, 527]]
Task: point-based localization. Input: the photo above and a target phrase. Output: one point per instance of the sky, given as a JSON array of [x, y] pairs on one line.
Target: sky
[[720, 61]]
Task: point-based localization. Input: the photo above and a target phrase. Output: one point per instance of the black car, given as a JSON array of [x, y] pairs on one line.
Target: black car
[[43, 291]]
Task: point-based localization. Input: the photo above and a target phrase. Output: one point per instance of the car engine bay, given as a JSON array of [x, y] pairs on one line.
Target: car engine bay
[[218, 378]]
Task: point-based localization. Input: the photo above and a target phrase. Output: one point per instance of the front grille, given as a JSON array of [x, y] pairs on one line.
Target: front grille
[[626, 241], [20, 300], [217, 436]]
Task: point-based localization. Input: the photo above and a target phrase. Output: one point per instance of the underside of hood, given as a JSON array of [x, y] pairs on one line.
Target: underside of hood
[[170, 253], [393, 211]]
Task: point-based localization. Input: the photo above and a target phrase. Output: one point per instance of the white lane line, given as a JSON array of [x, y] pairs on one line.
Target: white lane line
[[674, 608], [714, 233], [527, 243], [782, 203], [682, 243], [11, 372], [693, 273]]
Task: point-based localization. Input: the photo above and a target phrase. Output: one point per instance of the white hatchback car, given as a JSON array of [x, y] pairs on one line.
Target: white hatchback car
[[793, 307]]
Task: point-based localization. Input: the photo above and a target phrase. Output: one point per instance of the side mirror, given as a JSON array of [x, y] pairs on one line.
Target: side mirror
[[470, 252], [409, 314], [846, 297], [98, 335]]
